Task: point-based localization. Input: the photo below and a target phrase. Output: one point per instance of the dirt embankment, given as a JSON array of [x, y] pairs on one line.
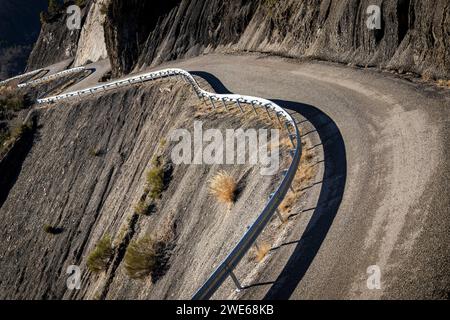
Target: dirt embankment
[[83, 175]]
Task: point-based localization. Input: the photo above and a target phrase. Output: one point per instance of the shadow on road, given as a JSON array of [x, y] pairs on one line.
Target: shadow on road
[[330, 197]]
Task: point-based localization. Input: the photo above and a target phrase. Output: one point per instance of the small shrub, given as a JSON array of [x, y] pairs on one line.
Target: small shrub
[[99, 258], [142, 208], [95, 152], [155, 180], [51, 229], [11, 99], [223, 187], [261, 251], [140, 258]]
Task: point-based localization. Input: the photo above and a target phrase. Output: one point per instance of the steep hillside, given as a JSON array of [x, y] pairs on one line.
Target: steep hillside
[[80, 177]]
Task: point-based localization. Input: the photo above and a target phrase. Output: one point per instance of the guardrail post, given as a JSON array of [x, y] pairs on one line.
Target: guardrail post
[[278, 117], [292, 140], [285, 172], [212, 102], [267, 110], [254, 109], [224, 104], [236, 281], [239, 105]]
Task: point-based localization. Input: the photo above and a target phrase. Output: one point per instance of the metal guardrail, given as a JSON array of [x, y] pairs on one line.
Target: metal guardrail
[[31, 73], [51, 77], [227, 266]]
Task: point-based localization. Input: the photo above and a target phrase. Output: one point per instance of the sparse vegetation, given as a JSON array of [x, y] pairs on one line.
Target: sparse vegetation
[[427, 76], [261, 251], [95, 152], [51, 229], [155, 179], [443, 83], [8, 138], [11, 100], [305, 173], [223, 187], [142, 207], [99, 258], [141, 257]]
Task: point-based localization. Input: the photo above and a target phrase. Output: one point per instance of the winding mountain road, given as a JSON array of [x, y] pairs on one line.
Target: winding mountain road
[[384, 198]]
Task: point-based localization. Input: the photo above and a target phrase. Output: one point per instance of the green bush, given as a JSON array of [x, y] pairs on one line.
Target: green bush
[[155, 180], [142, 207], [12, 100], [141, 258], [99, 258], [95, 152]]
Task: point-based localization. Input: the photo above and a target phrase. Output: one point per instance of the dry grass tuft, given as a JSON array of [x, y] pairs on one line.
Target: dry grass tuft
[[427, 76], [223, 187], [288, 202], [305, 174], [443, 83], [261, 251]]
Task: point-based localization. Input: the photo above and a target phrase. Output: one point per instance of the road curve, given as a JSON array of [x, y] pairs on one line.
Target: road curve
[[393, 208], [384, 197]]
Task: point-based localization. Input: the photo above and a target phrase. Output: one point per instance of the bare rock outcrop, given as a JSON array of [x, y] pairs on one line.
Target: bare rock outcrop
[[414, 34], [91, 45]]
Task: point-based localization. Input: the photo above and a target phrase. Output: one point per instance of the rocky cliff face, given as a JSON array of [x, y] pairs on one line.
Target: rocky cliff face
[[414, 36], [56, 42], [91, 45]]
